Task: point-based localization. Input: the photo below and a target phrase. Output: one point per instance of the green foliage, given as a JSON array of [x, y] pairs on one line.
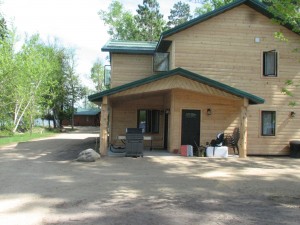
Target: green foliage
[[285, 12], [288, 89], [73, 90], [149, 20], [34, 81], [97, 75], [8, 137], [3, 28], [210, 5], [121, 22], [179, 14], [146, 25]]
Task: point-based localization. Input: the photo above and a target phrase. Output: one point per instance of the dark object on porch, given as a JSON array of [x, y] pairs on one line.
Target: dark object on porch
[[218, 141], [117, 149], [134, 142], [232, 140], [295, 149]]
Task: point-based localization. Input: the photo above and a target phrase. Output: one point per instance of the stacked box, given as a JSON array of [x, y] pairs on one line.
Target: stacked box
[[186, 150]]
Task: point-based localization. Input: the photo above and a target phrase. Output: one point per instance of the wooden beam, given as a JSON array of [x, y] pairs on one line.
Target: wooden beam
[[243, 129], [103, 127]]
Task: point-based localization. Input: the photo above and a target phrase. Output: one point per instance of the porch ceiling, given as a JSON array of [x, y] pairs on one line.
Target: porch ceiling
[[175, 82]]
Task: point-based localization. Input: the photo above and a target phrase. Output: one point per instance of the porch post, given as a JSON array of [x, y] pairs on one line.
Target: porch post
[[103, 127], [243, 129]]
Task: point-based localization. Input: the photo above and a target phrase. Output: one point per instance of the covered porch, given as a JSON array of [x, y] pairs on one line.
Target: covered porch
[[174, 108]]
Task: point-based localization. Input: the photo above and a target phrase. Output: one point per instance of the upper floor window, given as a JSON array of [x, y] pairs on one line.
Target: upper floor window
[[148, 120], [268, 123], [107, 74], [270, 63], [161, 61]]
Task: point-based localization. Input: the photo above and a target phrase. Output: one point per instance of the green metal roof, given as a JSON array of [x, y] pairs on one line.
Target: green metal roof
[[135, 47], [86, 112], [182, 72], [256, 5]]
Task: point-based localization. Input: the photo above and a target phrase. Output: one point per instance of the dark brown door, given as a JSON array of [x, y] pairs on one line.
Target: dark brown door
[[190, 127], [166, 131]]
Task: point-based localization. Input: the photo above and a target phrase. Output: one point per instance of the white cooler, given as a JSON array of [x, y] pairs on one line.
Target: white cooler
[[221, 151]]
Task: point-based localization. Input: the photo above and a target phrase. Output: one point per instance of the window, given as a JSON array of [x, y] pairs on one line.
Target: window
[[268, 123], [161, 62], [148, 120], [270, 63], [107, 76]]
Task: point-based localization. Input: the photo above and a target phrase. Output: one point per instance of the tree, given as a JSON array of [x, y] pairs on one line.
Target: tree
[[285, 12], [149, 20], [210, 5], [121, 24], [3, 27], [38, 80], [23, 76], [97, 75], [179, 14], [74, 91], [146, 25]]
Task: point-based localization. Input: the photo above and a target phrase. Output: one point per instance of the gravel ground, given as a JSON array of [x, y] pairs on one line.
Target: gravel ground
[[40, 183]]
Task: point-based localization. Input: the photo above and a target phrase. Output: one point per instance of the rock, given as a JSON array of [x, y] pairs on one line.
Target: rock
[[88, 155]]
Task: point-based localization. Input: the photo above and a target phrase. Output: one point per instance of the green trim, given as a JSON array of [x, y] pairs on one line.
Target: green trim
[[182, 72], [258, 6], [129, 47]]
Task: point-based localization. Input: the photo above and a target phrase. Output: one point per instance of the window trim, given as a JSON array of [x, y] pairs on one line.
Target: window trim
[[276, 64], [262, 123], [168, 61], [154, 127]]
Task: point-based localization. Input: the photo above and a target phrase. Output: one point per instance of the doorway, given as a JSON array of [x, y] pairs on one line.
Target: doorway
[[190, 127], [166, 131]]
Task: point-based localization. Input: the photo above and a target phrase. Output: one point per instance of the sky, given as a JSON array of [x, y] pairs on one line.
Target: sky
[[75, 23]]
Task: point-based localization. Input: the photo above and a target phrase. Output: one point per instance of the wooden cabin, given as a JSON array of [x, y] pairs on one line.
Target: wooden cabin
[[84, 117], [220, 71]]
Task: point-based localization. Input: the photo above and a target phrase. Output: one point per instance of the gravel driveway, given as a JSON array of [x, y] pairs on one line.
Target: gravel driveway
[[40, 183]]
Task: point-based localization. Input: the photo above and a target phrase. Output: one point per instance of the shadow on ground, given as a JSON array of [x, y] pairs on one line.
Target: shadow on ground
[[41, 184]]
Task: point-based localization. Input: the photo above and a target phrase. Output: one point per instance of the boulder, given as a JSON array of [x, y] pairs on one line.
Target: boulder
[[88, 155]]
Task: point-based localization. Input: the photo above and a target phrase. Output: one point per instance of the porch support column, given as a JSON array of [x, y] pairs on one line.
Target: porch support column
[[243, 129], [103, 127]]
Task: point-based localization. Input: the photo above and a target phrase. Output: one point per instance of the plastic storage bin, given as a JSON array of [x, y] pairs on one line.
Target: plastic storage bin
[[186, 150]]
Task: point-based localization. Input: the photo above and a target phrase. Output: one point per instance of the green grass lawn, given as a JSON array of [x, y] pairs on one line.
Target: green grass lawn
[[26, 136]]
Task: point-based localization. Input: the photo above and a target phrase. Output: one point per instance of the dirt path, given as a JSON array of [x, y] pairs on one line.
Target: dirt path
[[41, 184]]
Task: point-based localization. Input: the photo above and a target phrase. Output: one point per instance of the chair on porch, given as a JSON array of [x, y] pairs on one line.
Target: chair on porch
[[232, 140]]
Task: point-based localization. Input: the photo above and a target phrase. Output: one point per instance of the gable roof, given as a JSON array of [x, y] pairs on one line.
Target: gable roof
[[133, 47], [254, 4], [182, 72]]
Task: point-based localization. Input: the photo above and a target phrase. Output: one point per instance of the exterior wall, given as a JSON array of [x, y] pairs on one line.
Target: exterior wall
[[225, 115], [127, 68], [124, 115], [223, 49]]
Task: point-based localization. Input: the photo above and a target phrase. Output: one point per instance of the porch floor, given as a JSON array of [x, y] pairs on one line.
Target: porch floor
[[159, 153]]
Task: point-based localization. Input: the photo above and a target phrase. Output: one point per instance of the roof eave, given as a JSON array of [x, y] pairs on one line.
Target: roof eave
[[190, 75], [128, 51]]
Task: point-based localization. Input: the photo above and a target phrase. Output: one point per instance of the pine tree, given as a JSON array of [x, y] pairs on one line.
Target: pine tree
[[179, 14]]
